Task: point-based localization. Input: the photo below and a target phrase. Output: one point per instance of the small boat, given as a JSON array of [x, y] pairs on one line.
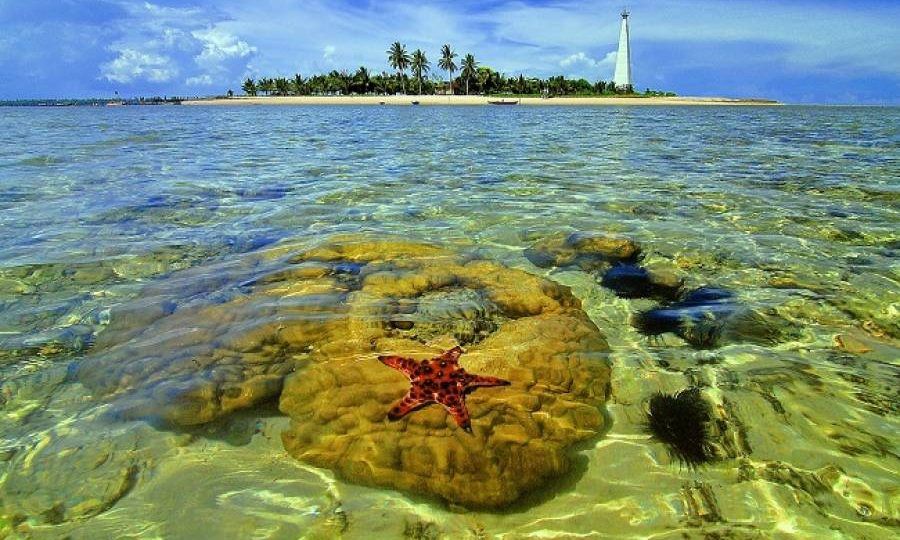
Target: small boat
[[415, 102], [503, 102]]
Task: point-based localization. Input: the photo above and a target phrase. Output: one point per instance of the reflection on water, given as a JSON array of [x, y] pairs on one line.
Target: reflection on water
[[188, 334]]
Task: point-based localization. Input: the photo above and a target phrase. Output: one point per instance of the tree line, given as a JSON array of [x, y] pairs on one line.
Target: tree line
[[472, 78]]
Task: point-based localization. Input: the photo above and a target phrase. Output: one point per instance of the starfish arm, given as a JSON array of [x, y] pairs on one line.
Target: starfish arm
[[452, 356], [403, 365], [439, 380], [476, 380], [410, 402], [456, 406]]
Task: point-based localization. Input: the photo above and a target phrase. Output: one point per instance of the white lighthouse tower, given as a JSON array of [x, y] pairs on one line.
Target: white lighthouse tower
[[622, 77]]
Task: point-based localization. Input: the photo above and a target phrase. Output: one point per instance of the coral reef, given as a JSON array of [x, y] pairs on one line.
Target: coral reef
[[306, 327], [543, 343], [42, 484], [588, 251]]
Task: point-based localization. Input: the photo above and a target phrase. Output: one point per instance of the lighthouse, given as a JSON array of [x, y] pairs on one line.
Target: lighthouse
[[622, 77]]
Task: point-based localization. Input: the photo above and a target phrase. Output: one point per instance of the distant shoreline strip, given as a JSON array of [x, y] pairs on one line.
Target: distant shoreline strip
[[477, 100]]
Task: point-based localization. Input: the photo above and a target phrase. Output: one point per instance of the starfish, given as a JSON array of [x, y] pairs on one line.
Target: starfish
[[439, 380]]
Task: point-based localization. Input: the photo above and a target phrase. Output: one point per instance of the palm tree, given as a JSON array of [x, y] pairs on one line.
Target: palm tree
[[334, 82], [266, 85], [447, 64], [298, 83], [399, 60], [362, 80], [282, 86], [469, 69], [420, 66], [249, 87]]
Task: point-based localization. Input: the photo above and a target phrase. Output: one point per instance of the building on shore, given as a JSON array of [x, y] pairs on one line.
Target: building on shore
[[622, 77]]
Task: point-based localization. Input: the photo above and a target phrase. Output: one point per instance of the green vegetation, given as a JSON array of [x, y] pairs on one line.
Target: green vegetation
[[448, 62], [473, 78], [399, 60], [420, 66], [469, 70]]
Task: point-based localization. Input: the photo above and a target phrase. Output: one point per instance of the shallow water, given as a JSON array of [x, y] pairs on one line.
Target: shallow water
[[116, 220]]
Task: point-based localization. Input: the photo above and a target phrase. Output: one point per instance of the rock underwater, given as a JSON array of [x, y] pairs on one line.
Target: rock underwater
[[587, 250], [307, 327], [708, 317], [704, 317], [613, 258]]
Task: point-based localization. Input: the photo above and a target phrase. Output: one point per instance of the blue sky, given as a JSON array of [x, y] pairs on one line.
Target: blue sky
[[801, 51]]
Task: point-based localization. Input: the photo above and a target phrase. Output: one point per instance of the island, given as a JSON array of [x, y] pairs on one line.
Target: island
[[623, 100], [474, 85]]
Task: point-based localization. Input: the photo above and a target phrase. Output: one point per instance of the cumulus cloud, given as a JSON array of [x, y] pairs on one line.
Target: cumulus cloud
[[321, 35], [220, 46], [199, 80], [131, 65], [92, 47], [223, 53], [158, 44], [582, 65], [582, 59]]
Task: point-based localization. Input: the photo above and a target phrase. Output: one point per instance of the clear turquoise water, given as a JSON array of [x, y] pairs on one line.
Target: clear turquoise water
[[138, 179], [794, 208]]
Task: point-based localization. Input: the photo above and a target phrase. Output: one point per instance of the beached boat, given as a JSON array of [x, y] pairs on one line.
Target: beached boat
[[503, 102], [415, 102]]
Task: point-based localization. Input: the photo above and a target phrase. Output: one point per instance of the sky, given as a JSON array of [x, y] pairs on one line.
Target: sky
[[800, 51]]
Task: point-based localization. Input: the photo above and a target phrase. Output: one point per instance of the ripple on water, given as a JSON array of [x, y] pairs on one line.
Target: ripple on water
[[115, 220]]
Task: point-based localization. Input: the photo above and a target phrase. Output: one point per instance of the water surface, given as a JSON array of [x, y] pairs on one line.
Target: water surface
[[795, 209]]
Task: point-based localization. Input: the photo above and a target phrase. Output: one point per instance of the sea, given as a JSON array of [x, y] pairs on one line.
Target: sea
[[193, 301]]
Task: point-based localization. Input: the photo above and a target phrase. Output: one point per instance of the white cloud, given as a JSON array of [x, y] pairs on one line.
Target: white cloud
[[156, 44], [582, 59], [223, 55], [161, 44], [582, 65], [829, 38], [300, 38], [199, 80], [219, 45], [133, 65]]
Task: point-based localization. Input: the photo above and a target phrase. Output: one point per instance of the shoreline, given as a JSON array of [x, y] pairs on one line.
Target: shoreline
[[477, 100]]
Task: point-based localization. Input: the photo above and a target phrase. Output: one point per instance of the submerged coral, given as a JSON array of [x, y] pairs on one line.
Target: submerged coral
[[543, 343], [464, 314], [306, 327], [74, 474], [588, 251]]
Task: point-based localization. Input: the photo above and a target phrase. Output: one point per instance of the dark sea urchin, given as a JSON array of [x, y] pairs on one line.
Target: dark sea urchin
[[699, 317], [681, 421]]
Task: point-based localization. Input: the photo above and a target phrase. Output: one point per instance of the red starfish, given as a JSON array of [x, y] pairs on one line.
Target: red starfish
[[439, 380]]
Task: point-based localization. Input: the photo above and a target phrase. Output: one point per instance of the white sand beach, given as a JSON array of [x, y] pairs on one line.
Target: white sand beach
[[476, 100]]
